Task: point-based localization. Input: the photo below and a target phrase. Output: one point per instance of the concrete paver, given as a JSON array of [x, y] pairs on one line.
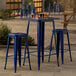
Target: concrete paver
[[47, 69]]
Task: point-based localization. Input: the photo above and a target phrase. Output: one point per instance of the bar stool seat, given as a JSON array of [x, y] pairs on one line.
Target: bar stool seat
[[17, 48], [60, 41]]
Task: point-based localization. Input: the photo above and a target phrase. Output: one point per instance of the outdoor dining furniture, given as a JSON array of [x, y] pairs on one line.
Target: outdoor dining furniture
[[60, 41], [40, 34], [26, 11], [17, 47]]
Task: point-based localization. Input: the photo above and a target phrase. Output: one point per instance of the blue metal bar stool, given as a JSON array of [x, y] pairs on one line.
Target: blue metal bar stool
[[60, 40], [17, 47]]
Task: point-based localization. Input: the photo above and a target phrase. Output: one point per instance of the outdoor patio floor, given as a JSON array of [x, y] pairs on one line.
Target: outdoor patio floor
[[47, 68]]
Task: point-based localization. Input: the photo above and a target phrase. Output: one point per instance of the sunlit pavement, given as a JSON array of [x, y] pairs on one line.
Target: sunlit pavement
[[46, 69]]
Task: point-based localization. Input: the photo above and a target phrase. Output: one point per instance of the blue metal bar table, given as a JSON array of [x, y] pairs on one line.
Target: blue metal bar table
[[40, 34]]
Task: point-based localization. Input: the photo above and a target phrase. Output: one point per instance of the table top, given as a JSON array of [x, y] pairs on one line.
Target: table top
[[41, 19]]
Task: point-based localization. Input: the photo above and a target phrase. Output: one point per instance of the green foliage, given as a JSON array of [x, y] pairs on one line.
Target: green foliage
[[30, 41], [5, 14], [28, 1], [4, 31]]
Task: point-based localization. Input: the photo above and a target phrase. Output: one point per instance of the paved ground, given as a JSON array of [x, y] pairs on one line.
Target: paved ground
[[47, 69]]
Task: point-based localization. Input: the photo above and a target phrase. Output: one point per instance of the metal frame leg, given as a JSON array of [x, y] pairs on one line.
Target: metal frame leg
[[15, 54], [50, 46], [42, 40], [62, 46], [26, 47], [39, 42], [28, 57], [69, 46], [57, 48], [7, 53], [21, 13], [19, 51], [25, 52], [54, 32]]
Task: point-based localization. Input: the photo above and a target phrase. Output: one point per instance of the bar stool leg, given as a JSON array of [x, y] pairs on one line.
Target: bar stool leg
[[69, 46], [28, 57], [19, 51], [24, 54], [42, 41], [7, 53], [54, 32], [62, 46], [15, 53], [50, 46], [57, 48]]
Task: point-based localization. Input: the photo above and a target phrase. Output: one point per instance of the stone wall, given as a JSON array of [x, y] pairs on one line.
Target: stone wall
[[2, 4]]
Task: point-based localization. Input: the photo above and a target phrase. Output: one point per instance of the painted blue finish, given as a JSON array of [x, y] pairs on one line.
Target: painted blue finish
[[62, 45], [19, 50], [57, 48], [21, 11], [15, 53], [6, 53], [69, 46], [39, 41], [40, 34], [34, 11], [50, 46], [17, 47], [42, 40], [60, 41], [59, 8]]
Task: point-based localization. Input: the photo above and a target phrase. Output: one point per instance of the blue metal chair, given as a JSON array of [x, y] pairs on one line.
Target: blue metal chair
[[59, 8], [21, 11], [60, 40], [34, 11], [17, 47]]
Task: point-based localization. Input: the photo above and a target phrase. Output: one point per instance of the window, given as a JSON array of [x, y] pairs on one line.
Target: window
[[15, 5], [38, 5]]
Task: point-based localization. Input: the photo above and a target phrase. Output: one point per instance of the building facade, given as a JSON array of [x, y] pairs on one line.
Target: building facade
[[15, 5]]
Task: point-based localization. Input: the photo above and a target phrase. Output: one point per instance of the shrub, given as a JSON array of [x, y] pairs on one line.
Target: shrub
[[28, 1], [30, 41], [4, 31], [5, 14]]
